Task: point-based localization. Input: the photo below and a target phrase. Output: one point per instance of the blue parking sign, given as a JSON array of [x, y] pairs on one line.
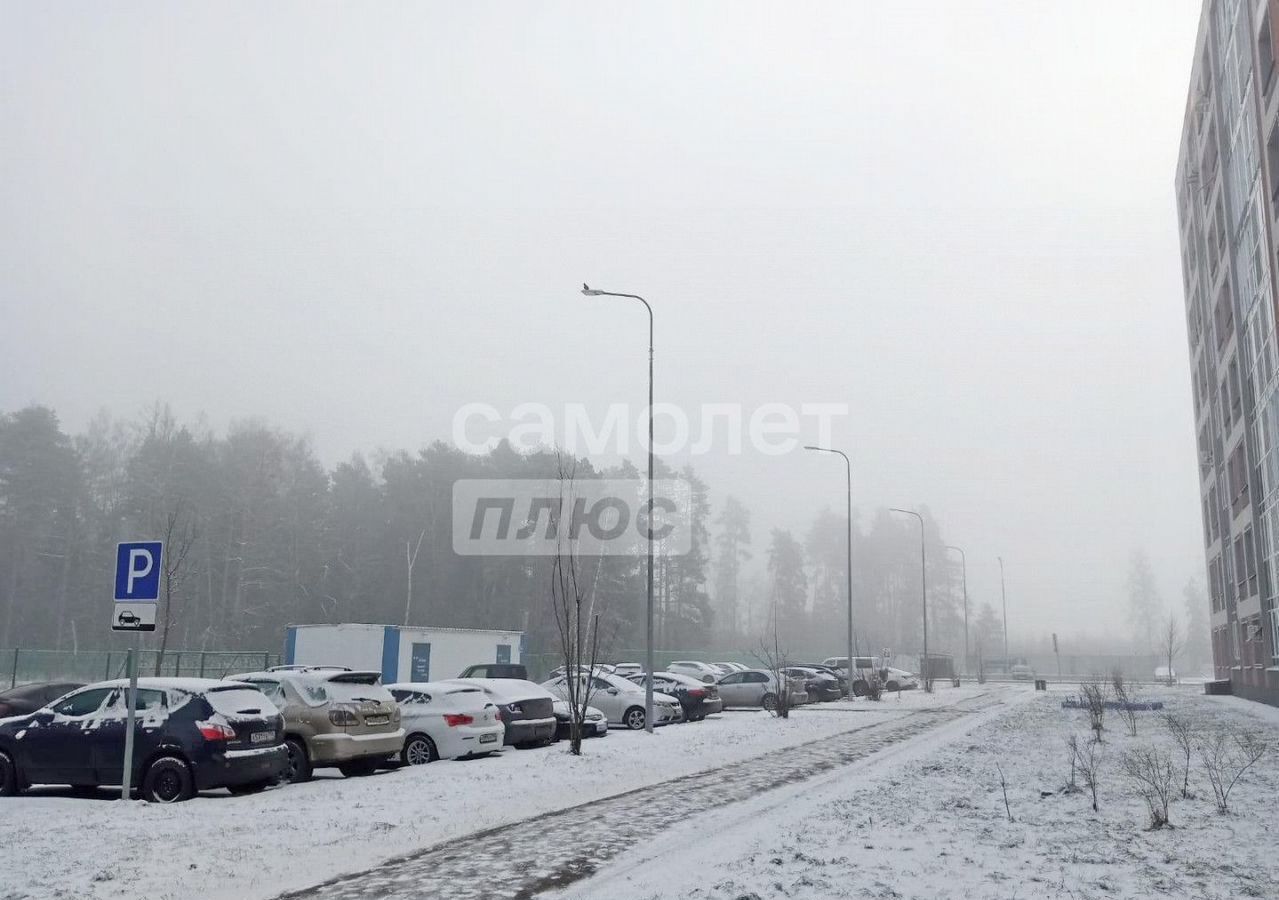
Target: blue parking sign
[[137, 571]]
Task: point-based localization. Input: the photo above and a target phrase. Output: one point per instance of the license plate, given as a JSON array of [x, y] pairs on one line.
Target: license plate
[[376, 720], [488, 738], [262, 737]]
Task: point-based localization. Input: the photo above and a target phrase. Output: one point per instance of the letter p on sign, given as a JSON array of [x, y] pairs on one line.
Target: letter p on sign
[[137, 570]]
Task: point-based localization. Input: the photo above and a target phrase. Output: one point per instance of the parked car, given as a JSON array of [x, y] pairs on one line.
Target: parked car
[[819, 686], [704, 672], [295, 667], [626, 670], [603, 668], [27, 698], [527, 710], [442, 720], [595, 724], [1022, 672], [728, 668], [333, 718], [621, 701], [190, 734], [899, 679], [697, 698], [495, 670], [840, 675], [758, 687]]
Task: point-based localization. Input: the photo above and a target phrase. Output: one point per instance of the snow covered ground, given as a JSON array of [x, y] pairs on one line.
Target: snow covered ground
[[218, 846], [928, 821]]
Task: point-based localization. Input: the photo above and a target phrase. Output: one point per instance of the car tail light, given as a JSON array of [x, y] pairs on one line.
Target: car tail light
[[215, 731], [455, 719], [343, 717], [696, 692]]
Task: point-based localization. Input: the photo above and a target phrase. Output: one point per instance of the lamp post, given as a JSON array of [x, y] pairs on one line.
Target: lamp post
[[964, 563], [923, 586], [1003, 595], [848, 472], [648, 524]]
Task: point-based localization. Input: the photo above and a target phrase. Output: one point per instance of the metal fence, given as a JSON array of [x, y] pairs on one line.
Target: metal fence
[[20, 666]]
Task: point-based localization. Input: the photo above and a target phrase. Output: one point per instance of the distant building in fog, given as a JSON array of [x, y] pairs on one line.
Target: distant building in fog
[[1227, 190]]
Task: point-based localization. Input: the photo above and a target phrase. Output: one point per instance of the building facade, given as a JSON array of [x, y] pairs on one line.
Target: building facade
[[1227, 191]]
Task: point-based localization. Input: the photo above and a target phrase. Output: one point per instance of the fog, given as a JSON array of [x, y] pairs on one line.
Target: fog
[[350, 220]]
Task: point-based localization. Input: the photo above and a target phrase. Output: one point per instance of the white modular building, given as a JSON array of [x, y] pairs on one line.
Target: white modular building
[[400, 652]]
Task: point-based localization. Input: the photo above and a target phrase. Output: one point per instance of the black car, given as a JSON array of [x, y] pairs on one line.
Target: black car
[[840, 675], [819, 686], [696, 698], [495, 670], [190, 734], [27, 698]]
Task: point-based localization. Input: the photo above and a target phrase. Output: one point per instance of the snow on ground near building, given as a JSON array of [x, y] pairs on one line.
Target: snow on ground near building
[[930, 822], [218, 846]]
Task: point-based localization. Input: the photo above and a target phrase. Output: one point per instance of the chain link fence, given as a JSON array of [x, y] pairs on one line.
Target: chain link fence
[[22, 666]]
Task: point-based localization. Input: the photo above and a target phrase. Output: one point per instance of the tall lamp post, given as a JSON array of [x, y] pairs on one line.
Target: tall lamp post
[[648, 524], [848, 472], [1003, 595], [923, 585], [964, 563]]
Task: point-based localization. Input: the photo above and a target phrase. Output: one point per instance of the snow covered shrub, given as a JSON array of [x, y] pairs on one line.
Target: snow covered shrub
[[1126, 699], [1182, 729], [1227, 755], [1151, 770], [1092, 693], [1088, 762]]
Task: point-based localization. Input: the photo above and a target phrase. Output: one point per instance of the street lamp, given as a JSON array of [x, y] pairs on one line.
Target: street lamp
[[648, 524], [1004, 597], [848, 471], [964, 562], [923, 584]]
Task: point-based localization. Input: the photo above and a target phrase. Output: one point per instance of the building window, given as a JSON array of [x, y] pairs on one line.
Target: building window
[[1265, 55], [1241, 572], [1250, 562], [1274, 635]]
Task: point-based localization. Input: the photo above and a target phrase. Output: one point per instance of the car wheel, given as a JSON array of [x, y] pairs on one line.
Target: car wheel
[[358, 768], [253, 787], [419, 750], [893, 686], [299, 766], [769, 702], [634, 718], [8, 775], [168, 780]]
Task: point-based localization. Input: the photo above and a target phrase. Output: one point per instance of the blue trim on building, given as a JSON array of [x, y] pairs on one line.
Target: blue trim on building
[[390, 654], [290, 645]]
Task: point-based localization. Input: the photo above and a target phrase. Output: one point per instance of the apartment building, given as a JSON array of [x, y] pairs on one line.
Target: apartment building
[[1227, 190]]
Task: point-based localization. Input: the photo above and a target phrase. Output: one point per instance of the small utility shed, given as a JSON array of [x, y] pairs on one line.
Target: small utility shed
[[400, 652]]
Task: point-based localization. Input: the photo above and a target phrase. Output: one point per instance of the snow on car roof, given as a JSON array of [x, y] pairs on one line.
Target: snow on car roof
[[507, 688], [447, 687], [190, 685]]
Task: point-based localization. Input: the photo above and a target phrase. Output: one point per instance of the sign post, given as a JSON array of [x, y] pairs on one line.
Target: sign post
[[137, 593], [1057, 653]]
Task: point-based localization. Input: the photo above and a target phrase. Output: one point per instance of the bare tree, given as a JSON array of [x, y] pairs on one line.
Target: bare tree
[[1088, 761], [1003, 786], [1151, 770], [180, 535], [1182, 730], [1227, 755], [1092, 693], [1171, 642], [576, 618], [1125, 700], [774, 660], [1072, 748], [410, 559]]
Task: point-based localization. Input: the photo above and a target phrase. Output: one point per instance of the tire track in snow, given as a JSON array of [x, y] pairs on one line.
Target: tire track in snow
[[524, 859]]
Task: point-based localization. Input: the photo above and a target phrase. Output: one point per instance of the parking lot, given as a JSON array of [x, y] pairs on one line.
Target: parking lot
[[260, 846]]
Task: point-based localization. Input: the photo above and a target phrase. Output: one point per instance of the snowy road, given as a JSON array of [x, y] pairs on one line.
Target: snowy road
[[550, 851]]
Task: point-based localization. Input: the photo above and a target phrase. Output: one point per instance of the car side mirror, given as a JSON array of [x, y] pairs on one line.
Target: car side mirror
[[613, 691], [42, 716]]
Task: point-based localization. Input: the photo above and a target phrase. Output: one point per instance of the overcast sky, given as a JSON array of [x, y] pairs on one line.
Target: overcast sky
[[349, 220]]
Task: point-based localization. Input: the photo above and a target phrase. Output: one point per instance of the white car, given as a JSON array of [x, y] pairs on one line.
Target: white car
[[527, 711], [621, 700], [699, 670], [626, 670], [446, 721]]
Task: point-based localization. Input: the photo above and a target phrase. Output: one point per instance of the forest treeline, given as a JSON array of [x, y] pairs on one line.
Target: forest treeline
[[261, 534]]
